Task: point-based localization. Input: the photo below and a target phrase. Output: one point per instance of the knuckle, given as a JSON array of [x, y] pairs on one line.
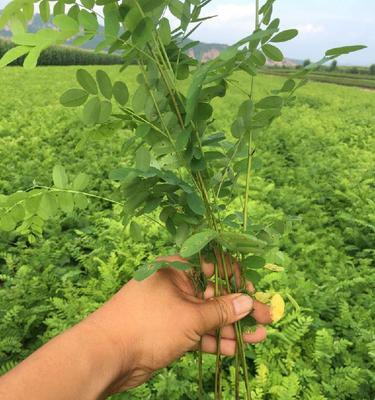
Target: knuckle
[[223, 310]]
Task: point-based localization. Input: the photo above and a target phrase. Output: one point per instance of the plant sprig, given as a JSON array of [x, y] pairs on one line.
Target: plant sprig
[[182, 168]]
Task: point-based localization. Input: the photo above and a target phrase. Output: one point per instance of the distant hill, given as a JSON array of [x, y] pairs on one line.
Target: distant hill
[[206, 51]]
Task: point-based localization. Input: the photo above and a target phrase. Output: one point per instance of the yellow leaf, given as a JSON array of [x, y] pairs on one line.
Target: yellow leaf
[[263, 297], [277, 307], [274, 267]]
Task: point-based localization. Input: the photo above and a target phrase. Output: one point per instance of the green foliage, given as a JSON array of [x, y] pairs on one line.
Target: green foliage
[[326, 351], [306, 62], [338, 51], [55, 55], [340, 76], [147, 270], [176, 169], [197, 242], [333, 66]]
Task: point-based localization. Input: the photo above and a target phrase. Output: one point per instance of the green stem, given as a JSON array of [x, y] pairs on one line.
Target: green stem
[[218, 371], [162, 62], [231, 82], [235, 151], [240, 350], [199, 293], [172, 90], [239, 338], [237, 374], [247, 190], [157, 107], [200, 371], [249, 153], [145, 121], [51, 189], [237, 325]]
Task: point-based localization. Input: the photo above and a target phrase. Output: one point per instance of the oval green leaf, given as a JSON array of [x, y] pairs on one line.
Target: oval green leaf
[[143, 32], [91, 111], [135, 232], [132, 19], [80, 182], [44, 10], [120, 92], [272, 52], [48, 206], [31, 59], [253, 276], [338, 51], [13, 54], [197, 242], [165, 31], [105, 84], [87, 82], [73, 98], [241, 242], [253, 262], [142, 159], [270, 102], [65, 201], [60, 179], [105, 111], [59, 8], [288, 86], [88, 20], [284, 36], [195, 203], [68, 25], [7, 223]]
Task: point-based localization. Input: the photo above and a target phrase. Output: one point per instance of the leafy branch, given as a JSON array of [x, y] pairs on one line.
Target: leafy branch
[[177, 163]]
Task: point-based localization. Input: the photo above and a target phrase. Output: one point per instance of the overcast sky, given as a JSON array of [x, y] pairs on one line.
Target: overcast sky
[[323, 24]]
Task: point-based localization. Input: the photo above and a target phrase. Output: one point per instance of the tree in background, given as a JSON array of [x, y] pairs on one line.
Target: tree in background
[[333, 66], [372, 69], [306, 63]]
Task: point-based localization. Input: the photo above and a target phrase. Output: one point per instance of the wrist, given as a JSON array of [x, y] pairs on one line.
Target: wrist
[[112, 347], [106, 365]]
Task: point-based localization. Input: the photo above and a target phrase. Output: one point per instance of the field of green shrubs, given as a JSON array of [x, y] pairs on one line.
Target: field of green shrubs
[[318, 172], [361, 78]]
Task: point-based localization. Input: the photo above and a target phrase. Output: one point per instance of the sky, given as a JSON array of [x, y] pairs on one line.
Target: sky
[[322, 24]]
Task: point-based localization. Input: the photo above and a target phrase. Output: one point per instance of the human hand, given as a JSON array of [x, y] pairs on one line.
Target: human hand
[[154, 322]]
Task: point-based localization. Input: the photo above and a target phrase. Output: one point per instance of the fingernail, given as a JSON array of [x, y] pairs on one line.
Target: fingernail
[[242, 304]]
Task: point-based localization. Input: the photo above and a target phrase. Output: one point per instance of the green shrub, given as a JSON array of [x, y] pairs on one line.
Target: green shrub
[[65, 55], [321, 178]]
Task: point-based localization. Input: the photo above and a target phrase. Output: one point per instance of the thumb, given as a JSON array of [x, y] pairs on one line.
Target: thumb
[[217, 312]]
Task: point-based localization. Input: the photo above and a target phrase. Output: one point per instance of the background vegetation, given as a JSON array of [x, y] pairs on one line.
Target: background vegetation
[[65, 55], [317, 171], [348, 76]]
